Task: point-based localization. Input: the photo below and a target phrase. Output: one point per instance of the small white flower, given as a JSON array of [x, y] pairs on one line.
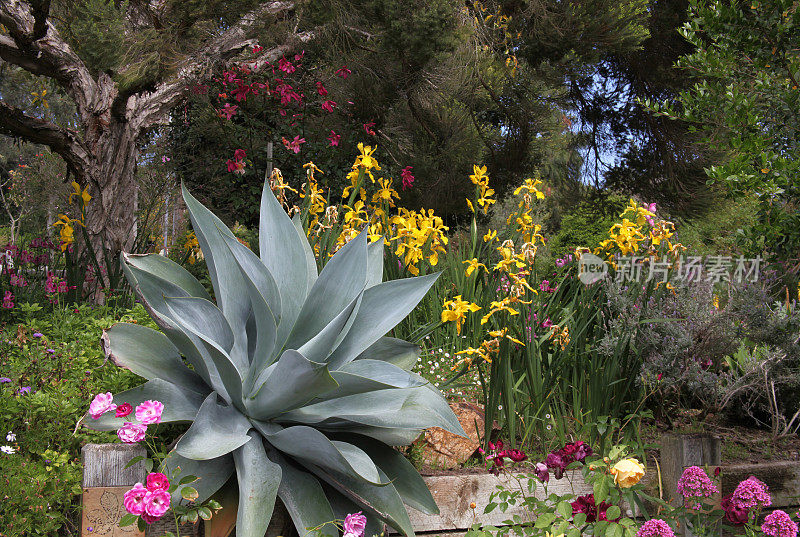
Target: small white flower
[[547, 416], [499, 407], [10, 437], [8, 450], [549, 427], [447, 355]]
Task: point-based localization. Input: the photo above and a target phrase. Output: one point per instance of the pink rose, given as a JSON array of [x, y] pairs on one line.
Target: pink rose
[[133, 500], [355, 524], [131, 433], [157, 481], [102, 403], [149, 519], [150, 412], [156, 503]]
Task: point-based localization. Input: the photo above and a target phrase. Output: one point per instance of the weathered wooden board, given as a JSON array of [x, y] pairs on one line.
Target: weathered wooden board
[[454, 494], [102, 511], [104, 465], [782, 478]]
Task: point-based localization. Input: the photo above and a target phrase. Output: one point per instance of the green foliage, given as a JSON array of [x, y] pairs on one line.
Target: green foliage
[[292, 384], [722, 230], [587, 224], [63, 368], [745, 102]]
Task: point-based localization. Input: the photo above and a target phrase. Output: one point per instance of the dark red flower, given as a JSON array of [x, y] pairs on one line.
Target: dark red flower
[[343, 71], [516, 455], [734, 515], [586, 504], [321, 89], [239, 154], [123, 410]]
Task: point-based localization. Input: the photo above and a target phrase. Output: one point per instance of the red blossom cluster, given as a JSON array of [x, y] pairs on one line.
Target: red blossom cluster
[[497, 455], [275, 81], [559, 459]]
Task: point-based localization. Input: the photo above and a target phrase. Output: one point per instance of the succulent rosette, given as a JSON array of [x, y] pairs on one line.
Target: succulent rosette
[[288, 380]]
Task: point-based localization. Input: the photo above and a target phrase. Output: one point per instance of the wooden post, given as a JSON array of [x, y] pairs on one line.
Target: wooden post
[[678, 452], [105, 481]]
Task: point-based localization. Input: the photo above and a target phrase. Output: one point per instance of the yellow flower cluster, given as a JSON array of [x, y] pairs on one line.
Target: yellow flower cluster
[[640, 233], [484, 194], [513, 265], [66, 224], [419, 235], [192, 248]]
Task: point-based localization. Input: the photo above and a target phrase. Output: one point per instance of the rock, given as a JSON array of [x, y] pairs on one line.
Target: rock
[[445, 450]]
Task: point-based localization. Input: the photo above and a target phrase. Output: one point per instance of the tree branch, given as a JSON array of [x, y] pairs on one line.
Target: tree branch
[[153, 107], [66, 143], [36, 46]]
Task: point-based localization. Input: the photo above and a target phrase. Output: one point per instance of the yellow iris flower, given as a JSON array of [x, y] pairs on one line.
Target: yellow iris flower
[[456, 311]]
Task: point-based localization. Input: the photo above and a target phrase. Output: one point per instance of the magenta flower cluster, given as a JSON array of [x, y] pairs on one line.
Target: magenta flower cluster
[[147, 413], [655, 528], [694, 485], [751, 494], [779, 524], [150, 502]]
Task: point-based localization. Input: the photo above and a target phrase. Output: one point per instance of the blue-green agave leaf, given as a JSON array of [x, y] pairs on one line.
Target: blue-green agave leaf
[[319, 347], [212, 474], [383, 306], [289, 383], [204, 320], [149, 354], [311, 261], [264, 296], [406, 408], [259, 479], [309, 446], [167, 269], [343, 506], [395, 351], [179, 405], [404, 476], [341, 281], [225, 275], [304, 498], [362, 376], [283, 252], [375, 263], [382, 501], [217, 430], [151, 290]]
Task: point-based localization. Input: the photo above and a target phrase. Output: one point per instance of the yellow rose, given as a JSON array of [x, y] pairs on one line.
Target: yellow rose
[[627, 472]]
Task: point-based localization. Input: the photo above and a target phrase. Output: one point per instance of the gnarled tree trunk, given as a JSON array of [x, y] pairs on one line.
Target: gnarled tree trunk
[[102, 154]]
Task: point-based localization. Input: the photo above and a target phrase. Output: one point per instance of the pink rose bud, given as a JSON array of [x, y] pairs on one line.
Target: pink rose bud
[[131, 433], [102, 403], [149, 412], [133, 500]]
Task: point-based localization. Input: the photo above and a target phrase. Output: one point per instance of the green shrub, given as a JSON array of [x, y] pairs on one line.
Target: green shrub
[[63, 368], [587, 225]]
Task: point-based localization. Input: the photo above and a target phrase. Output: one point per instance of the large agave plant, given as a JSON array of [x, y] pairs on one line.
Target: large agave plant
[[291, 382]]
